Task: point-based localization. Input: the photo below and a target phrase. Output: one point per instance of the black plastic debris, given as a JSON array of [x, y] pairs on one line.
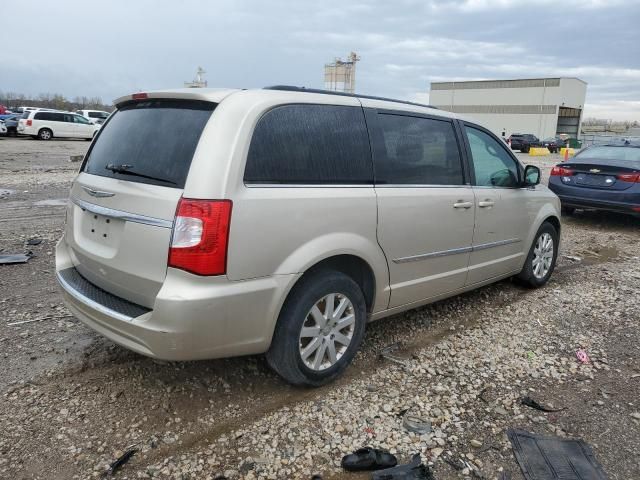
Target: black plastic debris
[[414, 470], [11, 258], [34, 241], [553, 458], [530, 402], [368, 458], [121, 460]]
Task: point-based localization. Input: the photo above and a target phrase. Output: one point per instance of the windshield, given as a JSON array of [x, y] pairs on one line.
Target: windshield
[[627, 154], [155, 140]]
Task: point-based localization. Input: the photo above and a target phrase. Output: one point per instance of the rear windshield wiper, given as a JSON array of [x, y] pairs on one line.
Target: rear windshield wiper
[[124, 170]]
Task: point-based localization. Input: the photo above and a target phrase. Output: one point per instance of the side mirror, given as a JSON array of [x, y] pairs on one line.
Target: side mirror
[[531, 176]]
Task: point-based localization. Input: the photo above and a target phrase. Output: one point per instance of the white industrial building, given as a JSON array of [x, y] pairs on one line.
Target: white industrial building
[[545, 107]]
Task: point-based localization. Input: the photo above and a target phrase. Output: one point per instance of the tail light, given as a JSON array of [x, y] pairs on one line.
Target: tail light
[[200, 236], [139, 96], [561, 172], [29, 123], [629, 177]]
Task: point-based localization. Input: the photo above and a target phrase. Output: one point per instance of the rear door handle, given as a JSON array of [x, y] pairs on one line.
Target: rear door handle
[[461, 204], [486, 203]]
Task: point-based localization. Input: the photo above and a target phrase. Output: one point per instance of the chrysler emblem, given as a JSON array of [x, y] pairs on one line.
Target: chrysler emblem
[[98, 193]]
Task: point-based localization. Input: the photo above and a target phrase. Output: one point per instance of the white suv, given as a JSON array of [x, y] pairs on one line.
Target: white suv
[[94, 116], [48, 124]]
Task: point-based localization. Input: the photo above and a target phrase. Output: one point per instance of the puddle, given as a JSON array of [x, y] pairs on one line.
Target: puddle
[[56, 202], [590, 257]]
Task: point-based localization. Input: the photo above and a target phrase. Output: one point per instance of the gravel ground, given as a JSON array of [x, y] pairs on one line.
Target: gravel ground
[[71, 401]]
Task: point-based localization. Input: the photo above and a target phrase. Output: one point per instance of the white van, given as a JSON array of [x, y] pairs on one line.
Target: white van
[[48, 124], [94, 116]]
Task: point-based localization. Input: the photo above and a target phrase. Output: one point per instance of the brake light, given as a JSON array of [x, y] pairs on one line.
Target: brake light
[[29, 123], [561, 171], [139, 96], [629, 177], [200, 236]]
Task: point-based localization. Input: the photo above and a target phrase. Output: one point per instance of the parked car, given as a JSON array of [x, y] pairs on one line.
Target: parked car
[[554, 144], [11, 122], [3, 128], [602, 177], [523, 142], [93, 115], [46, 125], [255, 224]]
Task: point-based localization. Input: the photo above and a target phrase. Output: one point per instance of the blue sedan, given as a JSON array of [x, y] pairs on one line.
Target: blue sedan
[[602, 177]]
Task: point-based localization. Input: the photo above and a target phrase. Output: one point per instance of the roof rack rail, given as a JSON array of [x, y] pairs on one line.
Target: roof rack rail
[[292, 88]]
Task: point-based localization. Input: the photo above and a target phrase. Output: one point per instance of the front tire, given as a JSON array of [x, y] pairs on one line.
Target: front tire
[[542, 256], [45, 134], [319, 330]]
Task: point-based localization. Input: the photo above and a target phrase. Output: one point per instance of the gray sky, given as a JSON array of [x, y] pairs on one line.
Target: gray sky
[[111, 48]]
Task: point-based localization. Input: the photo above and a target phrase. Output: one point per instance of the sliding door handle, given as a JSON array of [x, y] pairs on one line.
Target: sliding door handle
[[486, 203], [461, 204]]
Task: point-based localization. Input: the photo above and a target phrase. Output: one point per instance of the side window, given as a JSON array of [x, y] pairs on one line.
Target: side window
[[418, 151], [79, 119], [493, 166], [68, 118], [39, 116], [310, 144], [57, 117]]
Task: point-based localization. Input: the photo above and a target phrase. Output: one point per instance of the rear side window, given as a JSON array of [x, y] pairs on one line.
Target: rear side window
[[149, 142], [418, 151], [310, 144]]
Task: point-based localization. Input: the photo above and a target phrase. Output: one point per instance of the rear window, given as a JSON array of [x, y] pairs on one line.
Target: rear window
[[310, 144], [152, 141], [625, 154]]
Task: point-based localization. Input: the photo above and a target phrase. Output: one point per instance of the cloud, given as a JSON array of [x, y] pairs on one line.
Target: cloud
[[404, 45]]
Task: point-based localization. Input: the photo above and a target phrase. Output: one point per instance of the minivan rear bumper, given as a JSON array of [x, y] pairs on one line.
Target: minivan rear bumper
[[192, 318]]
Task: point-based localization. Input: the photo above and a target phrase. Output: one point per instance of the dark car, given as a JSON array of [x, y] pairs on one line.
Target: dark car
[[602, 177], [554, 144], [523, 141], [11, 122]]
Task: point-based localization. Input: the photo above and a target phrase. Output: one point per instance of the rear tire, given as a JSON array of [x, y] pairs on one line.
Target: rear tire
[[541, 259], [323, 350], [45, 134]]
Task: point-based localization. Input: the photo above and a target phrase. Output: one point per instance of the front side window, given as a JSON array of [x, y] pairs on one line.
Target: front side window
[[492, 165], [418, 151], [310, 144], [79, 119]]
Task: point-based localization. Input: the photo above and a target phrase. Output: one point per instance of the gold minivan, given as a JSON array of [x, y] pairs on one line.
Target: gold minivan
[[208, 223]]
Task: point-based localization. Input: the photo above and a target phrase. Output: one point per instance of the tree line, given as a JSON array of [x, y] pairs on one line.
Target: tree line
[[55, 100]]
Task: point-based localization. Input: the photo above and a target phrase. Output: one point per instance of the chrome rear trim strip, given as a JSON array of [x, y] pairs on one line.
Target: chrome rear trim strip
[[126, 216], [456, 251]]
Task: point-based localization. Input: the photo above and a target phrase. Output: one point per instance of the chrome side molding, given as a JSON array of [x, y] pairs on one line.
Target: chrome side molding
[[456, 251]]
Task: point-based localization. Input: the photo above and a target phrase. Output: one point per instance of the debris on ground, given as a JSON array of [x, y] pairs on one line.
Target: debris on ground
[[582, 356], [573, 258], [530, 402], [416, 424], [34, 241], [554, 458], [11, 258], [121, 460], [414, 470], [368, 458]]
